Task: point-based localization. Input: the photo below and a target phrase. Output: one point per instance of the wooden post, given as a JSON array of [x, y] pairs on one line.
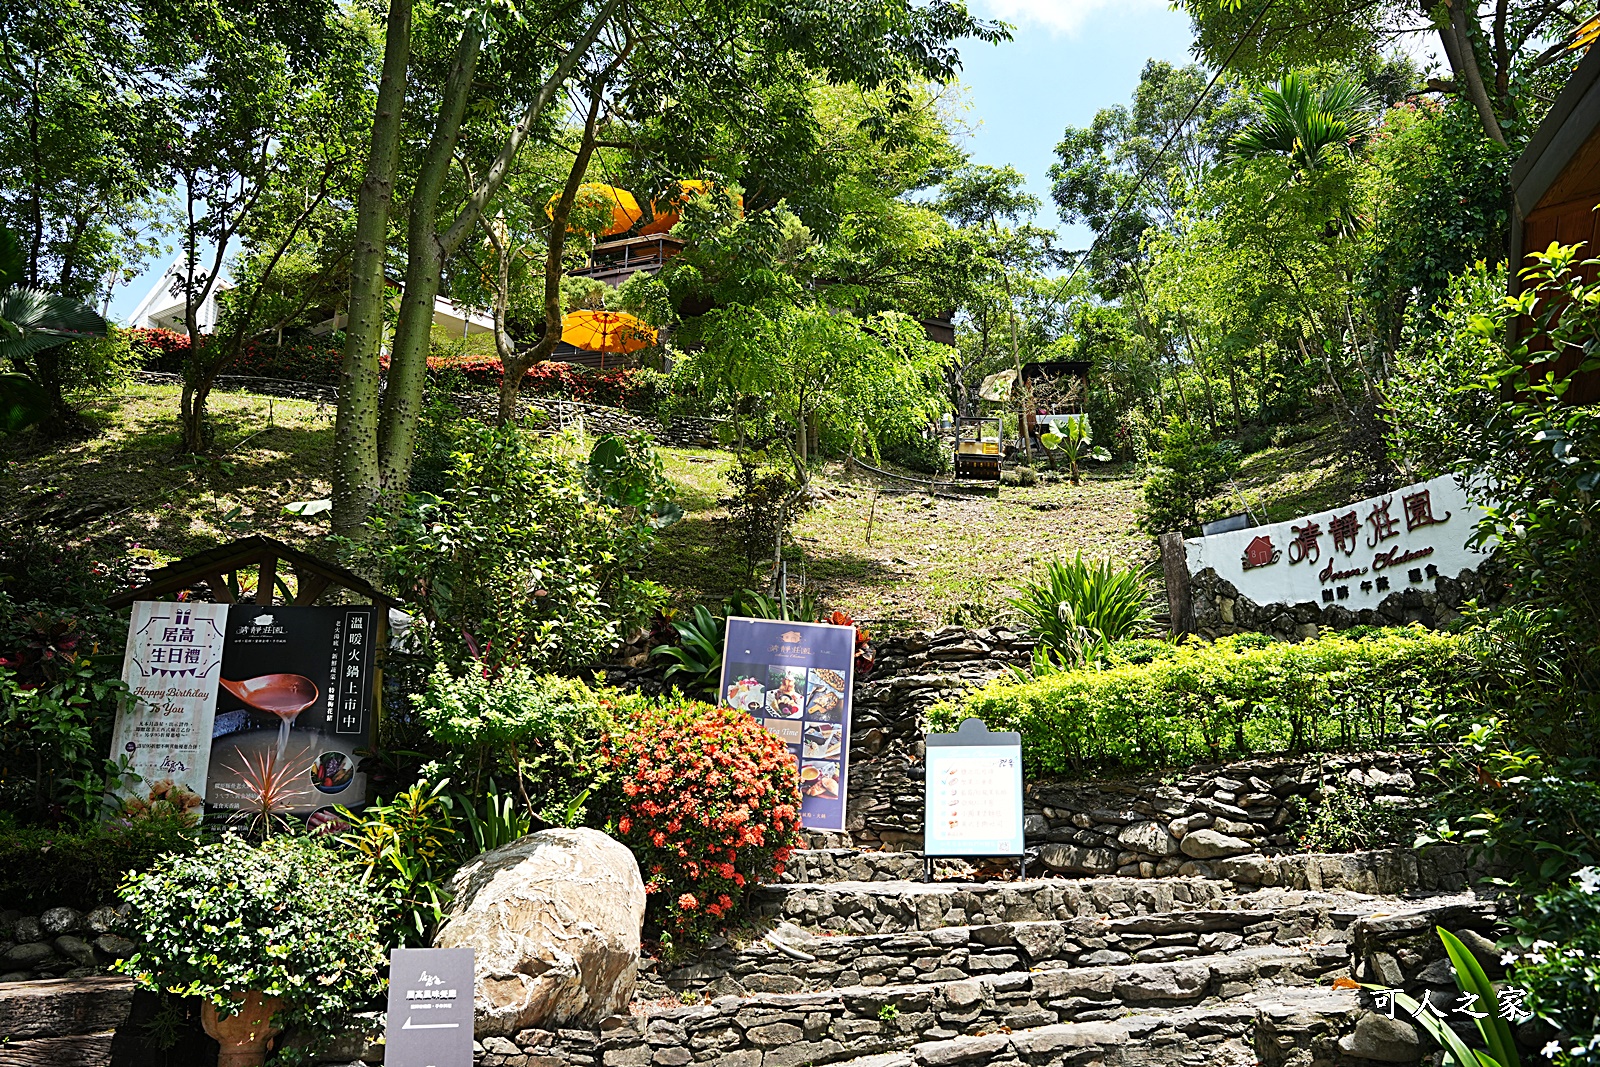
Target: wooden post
[[1175, 567]]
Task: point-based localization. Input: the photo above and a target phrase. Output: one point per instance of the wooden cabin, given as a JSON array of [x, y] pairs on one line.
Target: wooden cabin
[[1556, 188]]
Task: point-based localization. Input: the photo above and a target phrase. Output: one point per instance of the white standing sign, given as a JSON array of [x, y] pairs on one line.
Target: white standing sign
[[172, 665], [973, 793], [1352, 556]]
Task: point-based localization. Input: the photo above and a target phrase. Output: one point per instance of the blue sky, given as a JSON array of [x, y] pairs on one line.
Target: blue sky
[[1069, 59]]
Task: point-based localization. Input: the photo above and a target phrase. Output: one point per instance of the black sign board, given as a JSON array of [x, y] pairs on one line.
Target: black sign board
[[430, 1008], [294, 702]]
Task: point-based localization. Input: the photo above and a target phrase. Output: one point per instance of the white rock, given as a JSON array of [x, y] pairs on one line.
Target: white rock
[[555, 919], [1150, 838], [1210, 844]]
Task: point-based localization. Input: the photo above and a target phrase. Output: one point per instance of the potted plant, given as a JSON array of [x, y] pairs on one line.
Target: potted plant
[[270, 937]]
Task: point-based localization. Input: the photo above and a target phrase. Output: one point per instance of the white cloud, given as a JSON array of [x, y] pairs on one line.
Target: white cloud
[[1058, 16]]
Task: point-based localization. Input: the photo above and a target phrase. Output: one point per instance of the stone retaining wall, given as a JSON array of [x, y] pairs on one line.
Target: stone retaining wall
[[1218, 609], [60, 943]]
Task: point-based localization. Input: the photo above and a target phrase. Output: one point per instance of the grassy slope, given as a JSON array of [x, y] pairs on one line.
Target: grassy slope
[[930, 561]]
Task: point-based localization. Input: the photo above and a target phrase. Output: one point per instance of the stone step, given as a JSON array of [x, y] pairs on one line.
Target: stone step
[[1274, 1029], [845, 1022], [792, 960], [1439, 868], [896, 907]]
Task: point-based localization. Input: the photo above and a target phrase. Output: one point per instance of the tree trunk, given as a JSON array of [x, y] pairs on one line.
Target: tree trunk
[[408, 362], [1457, 39], [355, 432], [516, 368]]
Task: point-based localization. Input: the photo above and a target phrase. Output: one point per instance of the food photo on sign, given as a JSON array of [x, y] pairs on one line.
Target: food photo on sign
[[794, 678], [294, 707]]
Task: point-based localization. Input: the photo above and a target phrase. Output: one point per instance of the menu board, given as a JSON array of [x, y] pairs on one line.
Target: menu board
[[973, 793], [795, 677], [296, 700], [163, 726]]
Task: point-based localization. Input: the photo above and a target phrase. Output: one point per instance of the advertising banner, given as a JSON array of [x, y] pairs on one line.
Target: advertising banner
[[171, 667], [296, 704], [795, 677], [1353, 556], [430, 1008], [973, 793]]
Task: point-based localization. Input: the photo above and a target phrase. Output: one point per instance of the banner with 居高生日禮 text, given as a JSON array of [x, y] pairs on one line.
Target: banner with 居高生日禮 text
[[172, 666]]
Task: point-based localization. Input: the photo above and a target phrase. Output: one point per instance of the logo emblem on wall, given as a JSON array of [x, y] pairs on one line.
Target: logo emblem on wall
[[1260, 553]]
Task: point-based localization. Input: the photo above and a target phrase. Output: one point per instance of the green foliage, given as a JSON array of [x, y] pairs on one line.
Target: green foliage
[[81, 868], [1190, 466], [499, 822], [1078, 606], [406, 848], [292, 919], [1310, 124], [763, 502], [1560, 968], [1348, 819], [58, 730], [521, 561], [627, 472], [1235, 697], [540, 733], [1493, 1030], [697, 657], [926, 453], [710, 805]]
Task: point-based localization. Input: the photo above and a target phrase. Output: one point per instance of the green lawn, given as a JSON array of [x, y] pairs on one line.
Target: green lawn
[[929, 561]]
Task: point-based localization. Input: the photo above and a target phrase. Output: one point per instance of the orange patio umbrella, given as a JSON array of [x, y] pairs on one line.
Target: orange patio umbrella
[[666, 210], [625, 210], [606, 331]]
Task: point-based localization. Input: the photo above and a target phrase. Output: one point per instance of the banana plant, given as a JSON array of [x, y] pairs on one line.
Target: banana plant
[[1074, 444]]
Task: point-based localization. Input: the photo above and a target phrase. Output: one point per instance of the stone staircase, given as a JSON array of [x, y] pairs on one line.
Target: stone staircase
[[858, 963]]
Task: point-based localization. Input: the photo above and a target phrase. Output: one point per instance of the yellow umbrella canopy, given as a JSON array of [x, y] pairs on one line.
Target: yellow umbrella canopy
[[625, 210], [606, 331], [666, 210]]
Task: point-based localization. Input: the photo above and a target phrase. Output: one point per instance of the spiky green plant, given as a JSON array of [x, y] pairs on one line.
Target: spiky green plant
[[1077, 606], [1309, 125]]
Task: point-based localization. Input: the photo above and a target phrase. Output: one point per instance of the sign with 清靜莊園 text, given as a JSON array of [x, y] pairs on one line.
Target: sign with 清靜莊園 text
[[171, 667], [1353, 556], [795, 678], [972, 793], [430, 1008]]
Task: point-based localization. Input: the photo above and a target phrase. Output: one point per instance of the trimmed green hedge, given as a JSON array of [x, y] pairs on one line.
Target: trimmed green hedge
[[1162, 705]]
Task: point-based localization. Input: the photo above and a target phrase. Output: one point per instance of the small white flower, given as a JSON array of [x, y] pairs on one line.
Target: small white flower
[[1536, 957], [1550, 1050], [1508, 959], [1589, 879], [1544, 944]]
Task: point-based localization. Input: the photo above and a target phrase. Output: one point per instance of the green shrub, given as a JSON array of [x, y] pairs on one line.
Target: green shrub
[[917, 452], [82, 868], [1235, 697], [540, 734], [1348, 819], [526, 557], [1561, 971], [290, 919], [1189, 467], [1077, 606]]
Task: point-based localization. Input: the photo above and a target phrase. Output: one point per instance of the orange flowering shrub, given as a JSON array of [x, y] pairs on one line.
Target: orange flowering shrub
[[710, 805]]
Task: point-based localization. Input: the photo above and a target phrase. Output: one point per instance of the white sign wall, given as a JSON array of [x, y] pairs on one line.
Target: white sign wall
[[172, 664], [1351, 556]]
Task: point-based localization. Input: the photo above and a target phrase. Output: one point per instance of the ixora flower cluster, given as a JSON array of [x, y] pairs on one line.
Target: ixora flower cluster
[[711, 804]]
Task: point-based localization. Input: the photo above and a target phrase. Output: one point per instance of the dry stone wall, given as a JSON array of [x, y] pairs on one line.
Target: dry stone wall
[[1219, 609], [60, 943]]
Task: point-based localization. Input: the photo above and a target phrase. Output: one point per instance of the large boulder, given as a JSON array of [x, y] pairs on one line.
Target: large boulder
[[554, 919], [1211, 844]]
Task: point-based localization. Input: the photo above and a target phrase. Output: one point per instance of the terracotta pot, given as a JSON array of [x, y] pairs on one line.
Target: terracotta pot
[[244, 1036]]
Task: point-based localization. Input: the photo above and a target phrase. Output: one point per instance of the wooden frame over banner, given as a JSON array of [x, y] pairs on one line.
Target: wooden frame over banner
[[219, 569]]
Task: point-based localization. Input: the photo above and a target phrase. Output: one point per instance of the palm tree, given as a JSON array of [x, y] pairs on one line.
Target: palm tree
[[32, 324], [1310, 126]]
